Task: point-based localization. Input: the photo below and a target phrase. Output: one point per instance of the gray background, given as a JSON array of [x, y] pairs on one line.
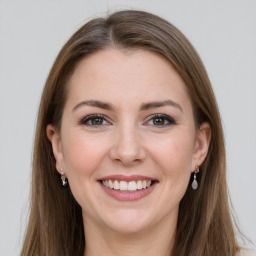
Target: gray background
[[32, 33]]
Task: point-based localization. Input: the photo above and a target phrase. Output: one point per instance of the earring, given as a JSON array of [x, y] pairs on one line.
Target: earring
[[63, 178], [194, 184]]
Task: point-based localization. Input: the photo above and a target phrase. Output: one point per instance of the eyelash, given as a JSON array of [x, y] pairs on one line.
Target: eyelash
[[164, 118], [90, 118]]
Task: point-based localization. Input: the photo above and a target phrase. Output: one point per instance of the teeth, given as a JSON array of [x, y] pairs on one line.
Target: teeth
[[116, 185], [127, 186], [139, 184], [132, 186], [123, 185], [110, 183]]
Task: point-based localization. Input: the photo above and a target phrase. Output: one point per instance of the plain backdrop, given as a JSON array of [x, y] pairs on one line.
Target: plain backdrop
[[32, 33]]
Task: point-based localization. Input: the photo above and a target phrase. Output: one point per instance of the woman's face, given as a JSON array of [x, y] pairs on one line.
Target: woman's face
[[128, 141]]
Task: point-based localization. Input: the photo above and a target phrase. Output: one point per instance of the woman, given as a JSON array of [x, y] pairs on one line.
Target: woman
[[129, 154]]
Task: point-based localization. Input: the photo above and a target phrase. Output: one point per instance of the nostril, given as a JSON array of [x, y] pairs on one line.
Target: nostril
[[127, 158], [127, 149]]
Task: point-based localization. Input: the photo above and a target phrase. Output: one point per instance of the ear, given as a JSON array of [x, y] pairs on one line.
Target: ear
[[202, 143], [55, 139]]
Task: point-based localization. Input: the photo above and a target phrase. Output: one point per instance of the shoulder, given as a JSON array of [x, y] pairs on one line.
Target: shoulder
[[246, 253]]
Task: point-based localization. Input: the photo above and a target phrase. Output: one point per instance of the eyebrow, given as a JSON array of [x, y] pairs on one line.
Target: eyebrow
[[94, 103], [158, 104], [144, 106]]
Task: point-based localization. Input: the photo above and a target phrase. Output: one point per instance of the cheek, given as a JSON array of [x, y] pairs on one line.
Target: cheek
[[82, 154], [175, 154], [173, 158]]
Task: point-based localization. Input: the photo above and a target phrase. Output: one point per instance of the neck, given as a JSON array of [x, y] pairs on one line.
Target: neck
[[157, 240]]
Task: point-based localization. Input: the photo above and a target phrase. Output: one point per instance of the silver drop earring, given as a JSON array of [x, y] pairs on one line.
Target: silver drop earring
[[63, 178], [194, 184]]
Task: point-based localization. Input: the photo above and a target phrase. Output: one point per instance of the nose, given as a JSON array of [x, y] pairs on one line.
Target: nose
[[127, 146]]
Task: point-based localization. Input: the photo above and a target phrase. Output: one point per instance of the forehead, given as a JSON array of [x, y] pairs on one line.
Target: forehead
[[121, 75]]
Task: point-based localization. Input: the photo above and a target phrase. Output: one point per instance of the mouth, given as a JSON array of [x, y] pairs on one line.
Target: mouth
[[127, 188]]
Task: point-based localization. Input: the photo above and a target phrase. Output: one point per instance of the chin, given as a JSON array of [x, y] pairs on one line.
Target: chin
[[128, 221]]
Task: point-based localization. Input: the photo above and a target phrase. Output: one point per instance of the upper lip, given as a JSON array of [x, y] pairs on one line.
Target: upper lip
[[126, 178]]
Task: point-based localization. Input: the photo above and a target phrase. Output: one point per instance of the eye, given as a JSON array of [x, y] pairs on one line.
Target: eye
[[94, 120], [160, 120]]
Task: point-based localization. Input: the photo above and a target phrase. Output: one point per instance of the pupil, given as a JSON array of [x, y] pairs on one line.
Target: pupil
[[97, 121], [159, 121]]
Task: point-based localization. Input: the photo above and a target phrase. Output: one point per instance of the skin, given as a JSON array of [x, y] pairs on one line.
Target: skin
[[128, 141]]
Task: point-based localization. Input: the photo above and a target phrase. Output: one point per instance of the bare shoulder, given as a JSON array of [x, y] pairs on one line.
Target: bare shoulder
[[246, 253]]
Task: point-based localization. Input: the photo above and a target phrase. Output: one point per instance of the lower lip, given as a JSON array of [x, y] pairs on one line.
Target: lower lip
[[128, 196]]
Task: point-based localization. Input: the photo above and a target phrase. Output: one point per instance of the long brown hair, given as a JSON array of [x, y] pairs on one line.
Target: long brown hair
[[55, 225]]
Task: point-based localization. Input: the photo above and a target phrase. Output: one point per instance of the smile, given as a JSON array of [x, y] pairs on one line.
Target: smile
[[127, 188]]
